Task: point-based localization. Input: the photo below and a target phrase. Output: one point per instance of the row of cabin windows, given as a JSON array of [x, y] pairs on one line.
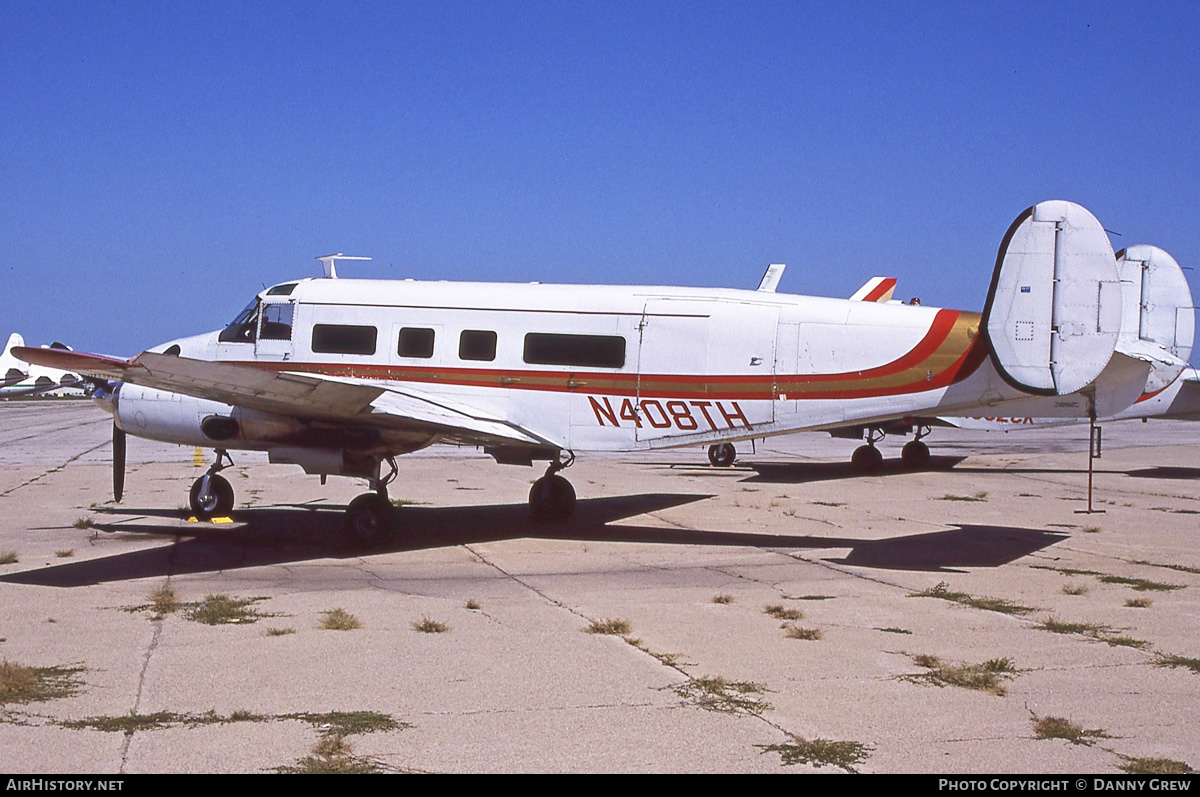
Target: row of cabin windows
[[587, 351]]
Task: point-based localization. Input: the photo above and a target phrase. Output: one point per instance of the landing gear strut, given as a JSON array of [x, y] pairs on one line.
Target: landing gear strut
[[370, 514], [722, 455], [211, 495], [867, 459], [915, 454], [552, 498]]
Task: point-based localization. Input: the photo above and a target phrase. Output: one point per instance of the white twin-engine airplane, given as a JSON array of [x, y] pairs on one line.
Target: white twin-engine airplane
[[339, 376]]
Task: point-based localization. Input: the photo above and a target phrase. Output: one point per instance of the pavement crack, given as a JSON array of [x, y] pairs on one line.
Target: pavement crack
[[54, 469]]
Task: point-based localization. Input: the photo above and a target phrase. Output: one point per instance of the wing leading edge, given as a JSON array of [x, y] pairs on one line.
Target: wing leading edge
[[306, 396]]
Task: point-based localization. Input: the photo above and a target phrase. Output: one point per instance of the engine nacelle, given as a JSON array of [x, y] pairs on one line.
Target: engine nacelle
[[186, 420], [168, 417], [318, 448]]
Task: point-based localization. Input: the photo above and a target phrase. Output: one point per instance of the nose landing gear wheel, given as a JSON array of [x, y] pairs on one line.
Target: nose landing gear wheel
[[866, 459], [368, 516], [722, 455], [213, 499], [551, 499], [914, 455]]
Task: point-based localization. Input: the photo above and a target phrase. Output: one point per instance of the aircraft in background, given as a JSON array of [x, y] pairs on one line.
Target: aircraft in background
[[340, 376], [20, 379]]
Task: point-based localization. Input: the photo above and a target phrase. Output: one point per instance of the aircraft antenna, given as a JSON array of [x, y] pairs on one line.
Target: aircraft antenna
[[329, 262]]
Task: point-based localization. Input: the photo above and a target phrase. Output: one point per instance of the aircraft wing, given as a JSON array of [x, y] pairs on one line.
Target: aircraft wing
[[307, 396]]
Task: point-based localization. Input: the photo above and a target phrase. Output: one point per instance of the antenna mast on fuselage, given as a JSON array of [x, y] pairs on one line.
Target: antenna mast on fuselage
[[329, 262]]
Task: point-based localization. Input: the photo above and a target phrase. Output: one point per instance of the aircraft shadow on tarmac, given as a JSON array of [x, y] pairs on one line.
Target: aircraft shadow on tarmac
[[282, 534], [801, 472], [1165, 473]]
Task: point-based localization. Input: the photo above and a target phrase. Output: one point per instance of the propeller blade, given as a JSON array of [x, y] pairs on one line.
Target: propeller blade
[[118, 445]]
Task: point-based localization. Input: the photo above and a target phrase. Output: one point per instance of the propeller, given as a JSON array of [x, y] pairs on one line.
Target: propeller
[[118, 447]]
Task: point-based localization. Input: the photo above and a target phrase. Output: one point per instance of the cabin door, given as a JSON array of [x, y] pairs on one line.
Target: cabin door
[[704, 366], [275, 329]]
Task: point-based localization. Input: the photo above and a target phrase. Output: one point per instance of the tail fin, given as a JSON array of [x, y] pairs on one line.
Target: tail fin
[[1158, 318], [876, 289], [13, 340], [12, 370], [1053, 313]]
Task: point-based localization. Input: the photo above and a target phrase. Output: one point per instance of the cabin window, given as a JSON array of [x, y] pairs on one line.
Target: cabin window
[[343, 339], [477, 344], [282, 290], [276, 322], [586, 351], [415, 342], [244, 328]]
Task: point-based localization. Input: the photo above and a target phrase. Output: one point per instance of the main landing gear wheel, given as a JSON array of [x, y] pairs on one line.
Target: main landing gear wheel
[[368, 516], [211, 499], [722, 455], [551, 499], [914, 455], [866, 459]]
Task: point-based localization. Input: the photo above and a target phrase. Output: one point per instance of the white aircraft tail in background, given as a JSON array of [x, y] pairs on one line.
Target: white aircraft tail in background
[[18, 378], [340, 376]]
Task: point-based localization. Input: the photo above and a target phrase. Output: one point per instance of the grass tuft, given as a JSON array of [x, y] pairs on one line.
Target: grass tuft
[[1179, 661], [163, 601], [1056, 626], [66, 553], [127, 724], [819, 752], [1138, 584], [224, 610], [1139, 603], [614, 626], [986, 677], [1062, 728], [780, 613], [722, 599], [428, 626], [1075, 589], [8, 558], [348, 723], [280, 631], [84, 523], [333, 756], [1154, 766], [473, 605], [980, 496], [339, 620], [942, 591], [793, 631], [727, 697], [20, 683], [1180, 568]]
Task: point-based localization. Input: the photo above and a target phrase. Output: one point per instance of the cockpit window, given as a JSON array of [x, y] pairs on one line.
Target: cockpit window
[[282, 290], [276, 321], [244, 328]]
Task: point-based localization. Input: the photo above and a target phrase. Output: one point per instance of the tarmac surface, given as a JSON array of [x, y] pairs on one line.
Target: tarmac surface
[[1092, 618]]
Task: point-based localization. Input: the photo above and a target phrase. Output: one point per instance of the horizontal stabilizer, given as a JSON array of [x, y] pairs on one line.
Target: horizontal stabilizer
[[1053, 313]]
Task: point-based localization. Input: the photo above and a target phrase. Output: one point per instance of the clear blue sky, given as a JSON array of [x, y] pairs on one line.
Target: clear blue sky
[[161, 161]]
